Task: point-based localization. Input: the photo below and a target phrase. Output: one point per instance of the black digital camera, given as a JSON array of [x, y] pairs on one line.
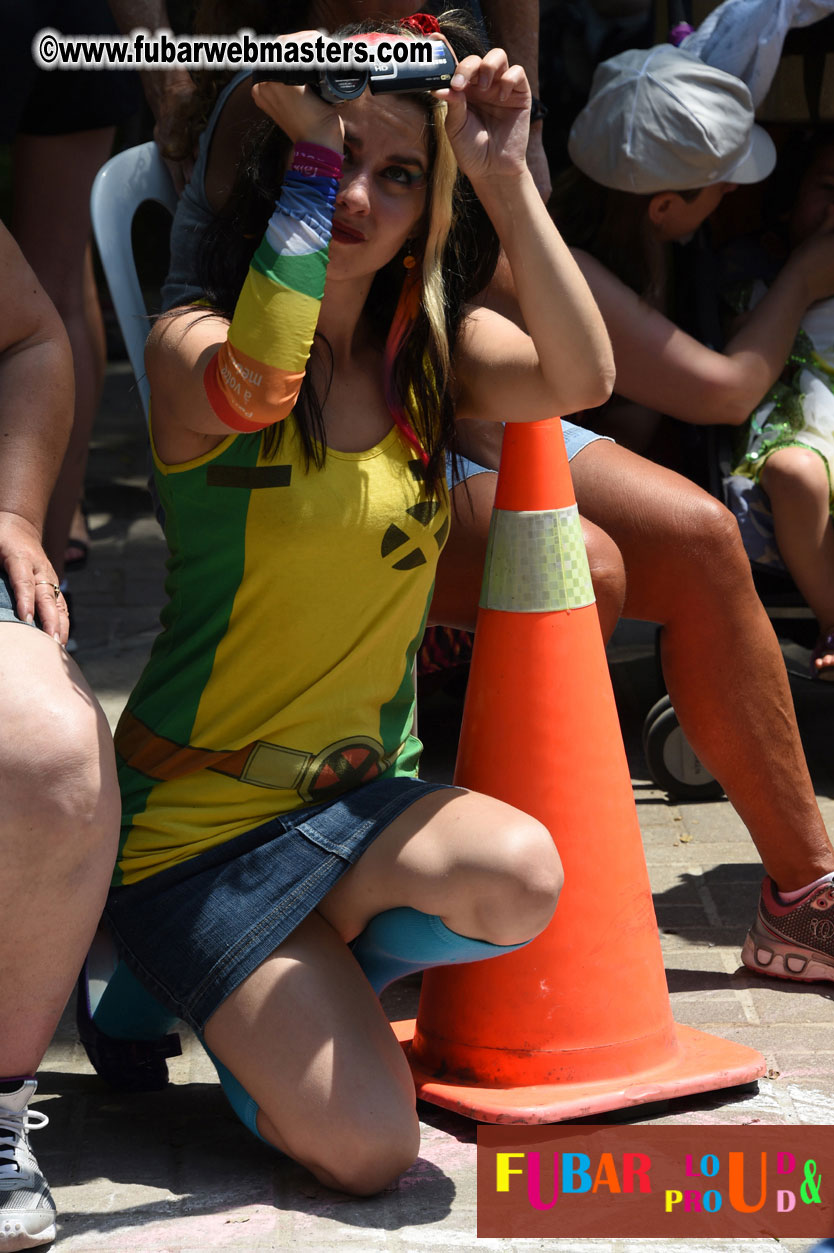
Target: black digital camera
[[346, 82]]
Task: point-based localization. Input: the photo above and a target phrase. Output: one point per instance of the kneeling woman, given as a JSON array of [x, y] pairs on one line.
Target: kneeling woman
[[276, 843]]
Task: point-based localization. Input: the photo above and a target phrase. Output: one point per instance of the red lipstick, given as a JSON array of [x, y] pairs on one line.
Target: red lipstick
[[346, 234]]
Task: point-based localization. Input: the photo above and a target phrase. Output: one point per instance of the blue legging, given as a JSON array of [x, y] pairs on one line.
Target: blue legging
[[394, 943], [128, 1011]]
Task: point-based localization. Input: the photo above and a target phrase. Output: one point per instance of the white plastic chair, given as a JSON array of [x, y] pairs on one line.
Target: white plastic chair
[[127, 181]]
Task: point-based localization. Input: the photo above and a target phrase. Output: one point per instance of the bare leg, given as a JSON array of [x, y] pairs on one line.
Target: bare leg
[[796, 481], [334, 1090], [53, 176], [489, 871], [457, 587], [686, 569], [78, 535], [58, 829]]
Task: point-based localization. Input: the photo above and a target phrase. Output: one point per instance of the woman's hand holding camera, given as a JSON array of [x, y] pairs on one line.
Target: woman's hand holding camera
[[299, 111], [488, 122]]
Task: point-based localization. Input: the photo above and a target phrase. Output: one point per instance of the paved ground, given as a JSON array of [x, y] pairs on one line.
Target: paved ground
[[175, 1171]]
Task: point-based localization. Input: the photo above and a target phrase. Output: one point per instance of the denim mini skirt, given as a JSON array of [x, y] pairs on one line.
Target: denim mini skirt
[[8, 609], [194, 933]]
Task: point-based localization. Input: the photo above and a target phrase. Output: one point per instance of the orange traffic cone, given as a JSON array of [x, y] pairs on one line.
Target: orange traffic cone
[[579, 1021]]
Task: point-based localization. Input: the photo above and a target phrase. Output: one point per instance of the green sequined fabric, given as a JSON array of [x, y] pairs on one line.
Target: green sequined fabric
[[778, 421]]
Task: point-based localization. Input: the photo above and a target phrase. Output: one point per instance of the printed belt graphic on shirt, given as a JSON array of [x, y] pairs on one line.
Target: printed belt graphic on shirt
[[316, 777]]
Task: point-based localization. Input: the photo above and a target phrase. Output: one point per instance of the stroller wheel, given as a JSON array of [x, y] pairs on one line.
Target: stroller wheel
[[671, 762]]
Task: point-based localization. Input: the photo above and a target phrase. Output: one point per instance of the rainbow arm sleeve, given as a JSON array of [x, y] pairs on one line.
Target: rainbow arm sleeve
[[254, 378]]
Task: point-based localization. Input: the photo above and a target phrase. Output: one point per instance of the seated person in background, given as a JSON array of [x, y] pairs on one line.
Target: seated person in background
[[662, 139], [788, 444], [60, 812]]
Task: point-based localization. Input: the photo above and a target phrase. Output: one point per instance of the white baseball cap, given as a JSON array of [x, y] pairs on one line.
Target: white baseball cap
[[660, 119]]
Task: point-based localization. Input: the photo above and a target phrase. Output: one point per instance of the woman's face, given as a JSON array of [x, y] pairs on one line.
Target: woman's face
[[814, 198], [382, 195]]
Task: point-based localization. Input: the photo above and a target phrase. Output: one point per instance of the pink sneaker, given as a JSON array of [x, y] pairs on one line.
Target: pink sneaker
[[793, 941]]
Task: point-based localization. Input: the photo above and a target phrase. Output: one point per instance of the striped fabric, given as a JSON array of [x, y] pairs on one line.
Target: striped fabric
[[255, 377]]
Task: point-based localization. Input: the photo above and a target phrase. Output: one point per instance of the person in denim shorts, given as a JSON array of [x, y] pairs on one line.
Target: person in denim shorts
[[645, 172], [60, 810]]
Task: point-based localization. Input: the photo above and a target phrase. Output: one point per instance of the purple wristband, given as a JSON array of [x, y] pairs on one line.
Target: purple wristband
[[316, 161]]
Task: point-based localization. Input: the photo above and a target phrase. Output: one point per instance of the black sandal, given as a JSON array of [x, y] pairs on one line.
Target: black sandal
[[127, 1065]]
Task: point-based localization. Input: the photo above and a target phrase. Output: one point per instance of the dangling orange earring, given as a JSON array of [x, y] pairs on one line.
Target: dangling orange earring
[[409, 260]]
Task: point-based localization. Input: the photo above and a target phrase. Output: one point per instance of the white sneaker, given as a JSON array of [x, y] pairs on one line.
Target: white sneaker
[[27, 1211]]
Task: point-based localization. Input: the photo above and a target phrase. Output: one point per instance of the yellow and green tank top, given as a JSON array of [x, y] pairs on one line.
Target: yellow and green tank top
[[283, 673]]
